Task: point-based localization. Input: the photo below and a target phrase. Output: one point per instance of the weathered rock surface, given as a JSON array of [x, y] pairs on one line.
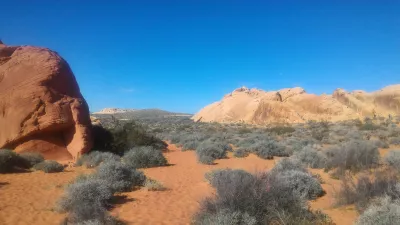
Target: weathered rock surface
[[294, 105], [41, 107]]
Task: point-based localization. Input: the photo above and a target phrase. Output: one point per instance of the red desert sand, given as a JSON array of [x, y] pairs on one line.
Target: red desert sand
[[29, 198]]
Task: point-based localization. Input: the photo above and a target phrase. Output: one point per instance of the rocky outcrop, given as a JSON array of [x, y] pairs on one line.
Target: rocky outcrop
[[294, 105], [41, 107]]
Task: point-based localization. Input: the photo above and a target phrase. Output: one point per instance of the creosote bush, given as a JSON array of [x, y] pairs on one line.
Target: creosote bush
[[49, 166], [144, 157]]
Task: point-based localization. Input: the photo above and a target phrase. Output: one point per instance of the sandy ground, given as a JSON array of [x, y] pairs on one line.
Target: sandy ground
[[29, 198]]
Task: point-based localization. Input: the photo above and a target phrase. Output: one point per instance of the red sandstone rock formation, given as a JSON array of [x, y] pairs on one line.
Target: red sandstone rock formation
[[41, 107]]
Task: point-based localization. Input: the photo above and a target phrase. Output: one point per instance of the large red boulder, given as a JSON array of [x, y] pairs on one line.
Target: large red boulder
[[41, 107]]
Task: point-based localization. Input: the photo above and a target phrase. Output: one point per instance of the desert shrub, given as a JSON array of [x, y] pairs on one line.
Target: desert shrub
[[353, 155], [225, 217], [144, 157], [94, 158], [258, 199], [32, 158], [49, 166], [9, 161], [294, 144], [218, 178], [119, 177], [353, 135], [209, 151], [191, 145], [394, 140], [102, 138], [175, 138], [311, 157], [240, 153], [368, 126], [154, 185], [87, 202], [131, 135], [392, 159], [280, 130], [244, 130], [384, 211], [268, 149], [361, 190], [303, 183], [288, 164], [380, 143]]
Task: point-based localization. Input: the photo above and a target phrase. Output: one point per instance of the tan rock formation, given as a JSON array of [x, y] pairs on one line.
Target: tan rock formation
[[41, 107], [294, 105]]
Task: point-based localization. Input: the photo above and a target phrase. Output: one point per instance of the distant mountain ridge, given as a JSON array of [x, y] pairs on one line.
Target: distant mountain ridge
[[295, 105], [136, 113], [113, 111]]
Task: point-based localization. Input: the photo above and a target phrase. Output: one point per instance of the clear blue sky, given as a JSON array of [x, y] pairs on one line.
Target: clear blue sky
[[183, 55]]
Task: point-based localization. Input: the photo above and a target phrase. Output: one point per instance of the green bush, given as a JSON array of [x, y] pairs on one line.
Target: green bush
[[9, 161], [122, 137], [132, 135], [32, 158], [144, 157], [49, 166]]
